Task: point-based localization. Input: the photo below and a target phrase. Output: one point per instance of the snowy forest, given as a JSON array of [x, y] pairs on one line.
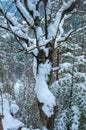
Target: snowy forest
[[42, 64]]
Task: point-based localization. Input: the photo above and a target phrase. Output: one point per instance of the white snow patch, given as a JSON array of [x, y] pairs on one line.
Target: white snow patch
[[14, 108], [43, 93], [34, 67], [17, 87], [84, 2], [39, 33], [9, 122], [51, 31], [62, 120], [25, 128], [25, 12]]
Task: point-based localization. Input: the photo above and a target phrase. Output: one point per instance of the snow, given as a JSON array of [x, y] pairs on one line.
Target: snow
[[80, 60], [68, 54], [44, 128], [53, 28], [43, 93], [76, 117], [17, 87], [80, 75], [48, 9], [32, 8], [25, 13], [34, 67], [51, 31], [10, 122], [12, 18], [14, 108], [61, 25], [30, 5], [28, 129], [55, 68], [84, 2], [62, 120], [25, 128], [65, 67], [39, 33]]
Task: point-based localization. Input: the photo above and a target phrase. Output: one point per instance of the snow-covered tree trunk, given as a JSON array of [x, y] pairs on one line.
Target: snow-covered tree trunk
[[46, 100]]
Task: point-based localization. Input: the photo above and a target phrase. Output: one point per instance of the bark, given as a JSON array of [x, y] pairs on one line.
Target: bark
[[57, 62], [48, 122], [45, 121], [1, 126]]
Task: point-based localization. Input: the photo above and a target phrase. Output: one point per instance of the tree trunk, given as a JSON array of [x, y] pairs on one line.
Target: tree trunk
[[46, 121], [1, 126]]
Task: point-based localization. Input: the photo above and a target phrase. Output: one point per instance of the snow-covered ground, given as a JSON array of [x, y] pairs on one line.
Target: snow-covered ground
[[10, 108]]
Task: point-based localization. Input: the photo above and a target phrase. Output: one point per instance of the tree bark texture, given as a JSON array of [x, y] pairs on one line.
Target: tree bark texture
[[1, 126], [47, 122]]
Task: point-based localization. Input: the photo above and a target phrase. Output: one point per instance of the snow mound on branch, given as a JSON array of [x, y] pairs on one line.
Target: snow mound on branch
[[44, 95]]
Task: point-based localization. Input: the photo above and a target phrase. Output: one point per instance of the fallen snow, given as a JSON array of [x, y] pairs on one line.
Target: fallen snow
[[10, 108], [10, 122]]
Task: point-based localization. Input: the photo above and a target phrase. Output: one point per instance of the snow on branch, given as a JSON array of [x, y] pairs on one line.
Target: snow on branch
[[75, 118], [34, 47], [62, 23], [55, 69], [79, 29], [65, 9], [24, 13], [62, 39], [32, 9], [4, 26]]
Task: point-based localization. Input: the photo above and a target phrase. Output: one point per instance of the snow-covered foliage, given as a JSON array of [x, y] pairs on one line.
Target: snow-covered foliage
[[62, 120], [70, 89], [75, 118]]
